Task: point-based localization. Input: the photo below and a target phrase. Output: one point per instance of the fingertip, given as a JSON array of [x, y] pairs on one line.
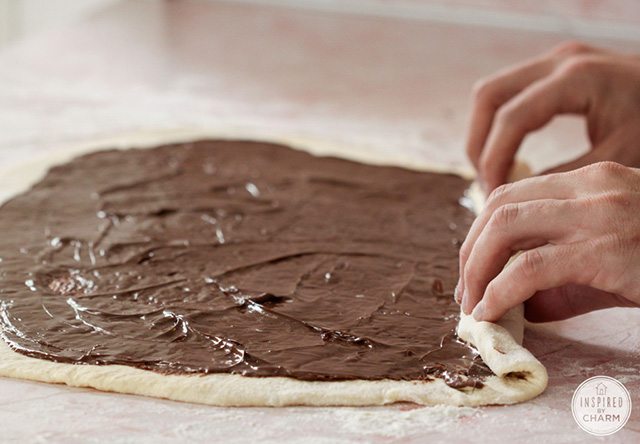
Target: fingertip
[[473, 153], [478, 312], [457, 294], [491, 184], [466, 302], [493, 173]]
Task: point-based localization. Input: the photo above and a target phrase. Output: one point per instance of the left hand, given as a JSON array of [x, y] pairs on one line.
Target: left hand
[[573, 78]]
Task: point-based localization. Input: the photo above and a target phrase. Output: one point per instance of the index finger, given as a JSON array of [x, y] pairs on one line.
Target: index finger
[[490, 94], [541, 268], [551, 186], [534, 107]]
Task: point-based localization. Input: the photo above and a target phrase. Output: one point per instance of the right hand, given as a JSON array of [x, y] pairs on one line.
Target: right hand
[[580, 232], [602, 85]]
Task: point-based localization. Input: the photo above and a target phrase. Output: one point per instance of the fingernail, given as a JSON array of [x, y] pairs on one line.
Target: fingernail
[[478, 312], [465, 301], [457, 294]]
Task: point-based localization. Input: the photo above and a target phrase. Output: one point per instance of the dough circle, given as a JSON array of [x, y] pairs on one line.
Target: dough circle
[[518, 374]]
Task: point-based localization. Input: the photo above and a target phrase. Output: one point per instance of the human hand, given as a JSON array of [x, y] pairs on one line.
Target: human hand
[[580, 232], [602, 85]]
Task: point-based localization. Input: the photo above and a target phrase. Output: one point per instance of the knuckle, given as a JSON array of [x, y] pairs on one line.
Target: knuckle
[[609, 212], [482, 89], [578, 65], [616, 199], [531, 264], [614, 244], [605, 170], [508, 115], [498, 195], [596, 201], [505, 216], [572, 47], [615, 241]]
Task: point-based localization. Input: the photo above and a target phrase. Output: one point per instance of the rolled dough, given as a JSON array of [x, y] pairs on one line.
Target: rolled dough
[[519, 375]]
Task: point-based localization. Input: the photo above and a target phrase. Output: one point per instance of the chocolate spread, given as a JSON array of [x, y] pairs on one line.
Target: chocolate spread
[[238, 257]]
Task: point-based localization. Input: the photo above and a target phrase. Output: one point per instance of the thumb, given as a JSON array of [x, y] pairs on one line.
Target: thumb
[[568, 301]]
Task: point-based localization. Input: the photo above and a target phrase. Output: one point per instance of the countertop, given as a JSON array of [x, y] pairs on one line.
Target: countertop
[[383, 84]]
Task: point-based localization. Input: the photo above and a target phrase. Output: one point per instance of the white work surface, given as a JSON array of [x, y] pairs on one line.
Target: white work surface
[[381, 84]]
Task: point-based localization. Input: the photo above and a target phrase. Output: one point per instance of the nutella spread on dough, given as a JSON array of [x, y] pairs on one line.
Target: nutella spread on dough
[[238, 257]]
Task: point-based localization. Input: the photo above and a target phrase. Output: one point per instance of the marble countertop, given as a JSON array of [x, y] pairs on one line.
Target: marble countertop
[[386, 85]]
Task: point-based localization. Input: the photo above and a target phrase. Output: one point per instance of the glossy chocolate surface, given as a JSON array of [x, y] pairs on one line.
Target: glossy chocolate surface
[[238, 257]]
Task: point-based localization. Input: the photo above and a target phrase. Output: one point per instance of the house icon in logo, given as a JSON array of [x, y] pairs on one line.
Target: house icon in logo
[[601, 389]]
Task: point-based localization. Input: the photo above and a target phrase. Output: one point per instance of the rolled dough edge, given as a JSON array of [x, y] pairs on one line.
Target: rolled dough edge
[[519, 375]]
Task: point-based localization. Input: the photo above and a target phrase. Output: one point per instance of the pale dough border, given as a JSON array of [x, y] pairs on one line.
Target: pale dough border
[[520, 376]]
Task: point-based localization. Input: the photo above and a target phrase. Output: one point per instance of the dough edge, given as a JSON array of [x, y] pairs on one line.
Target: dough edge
[[519, 375]]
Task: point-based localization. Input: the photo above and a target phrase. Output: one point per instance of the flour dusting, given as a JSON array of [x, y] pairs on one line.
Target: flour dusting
[[400, 421]]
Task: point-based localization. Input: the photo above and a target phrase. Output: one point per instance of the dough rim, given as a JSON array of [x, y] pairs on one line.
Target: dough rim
[[519, 375]]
